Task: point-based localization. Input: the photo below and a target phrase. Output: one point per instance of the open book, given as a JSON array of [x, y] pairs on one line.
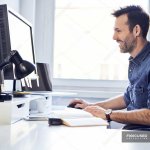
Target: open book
[[77, 117]]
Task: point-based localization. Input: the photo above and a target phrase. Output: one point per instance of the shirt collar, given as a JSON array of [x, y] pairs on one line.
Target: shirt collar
[[142, 55]]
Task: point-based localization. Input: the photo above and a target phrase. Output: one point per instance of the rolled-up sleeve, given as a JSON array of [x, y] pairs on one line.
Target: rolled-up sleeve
[[127, 96]]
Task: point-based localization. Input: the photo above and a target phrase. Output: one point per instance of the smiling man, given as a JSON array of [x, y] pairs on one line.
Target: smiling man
[[130, 31]]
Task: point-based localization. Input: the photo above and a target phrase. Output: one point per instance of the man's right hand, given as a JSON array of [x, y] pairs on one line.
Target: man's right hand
[[78, 103]]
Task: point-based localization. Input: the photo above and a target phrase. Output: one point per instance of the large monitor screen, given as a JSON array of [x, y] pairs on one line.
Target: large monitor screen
[[21, 37], [15, 34]]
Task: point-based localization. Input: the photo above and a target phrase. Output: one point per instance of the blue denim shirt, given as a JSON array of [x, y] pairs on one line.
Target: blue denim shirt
[[137, 94]]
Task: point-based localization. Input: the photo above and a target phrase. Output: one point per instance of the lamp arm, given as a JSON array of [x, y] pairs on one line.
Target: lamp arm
[[5, 62]]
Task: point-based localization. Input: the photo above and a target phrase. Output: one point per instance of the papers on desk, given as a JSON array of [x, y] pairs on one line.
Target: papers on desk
[[76, 117], [85, 122]]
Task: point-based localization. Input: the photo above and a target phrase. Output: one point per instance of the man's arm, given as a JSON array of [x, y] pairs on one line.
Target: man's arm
[[140, 116], [115, 103]]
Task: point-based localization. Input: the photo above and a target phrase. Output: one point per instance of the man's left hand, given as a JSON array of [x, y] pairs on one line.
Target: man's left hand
[[96, 111]]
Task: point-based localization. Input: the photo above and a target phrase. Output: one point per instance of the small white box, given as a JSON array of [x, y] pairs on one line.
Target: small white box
[[12, 111]]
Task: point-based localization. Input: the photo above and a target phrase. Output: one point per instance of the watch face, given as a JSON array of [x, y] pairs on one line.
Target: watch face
[[108, 111]]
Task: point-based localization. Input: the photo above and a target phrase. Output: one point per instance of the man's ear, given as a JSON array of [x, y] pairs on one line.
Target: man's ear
[[137, 31]]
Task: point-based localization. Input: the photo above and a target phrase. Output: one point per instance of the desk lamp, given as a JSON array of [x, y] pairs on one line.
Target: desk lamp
[[22, 69]]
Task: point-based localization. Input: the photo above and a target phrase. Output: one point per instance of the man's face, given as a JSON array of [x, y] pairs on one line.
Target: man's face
[[122, 35]]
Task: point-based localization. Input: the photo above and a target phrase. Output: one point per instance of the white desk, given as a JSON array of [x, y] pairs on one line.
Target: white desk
[[21, 107], [53, 93], [37, 135]]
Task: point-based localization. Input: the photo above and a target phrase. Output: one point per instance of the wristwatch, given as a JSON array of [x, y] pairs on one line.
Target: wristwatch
[[108, 113]]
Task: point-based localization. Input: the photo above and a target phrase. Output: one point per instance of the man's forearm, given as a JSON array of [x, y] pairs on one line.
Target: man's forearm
[[141, 116], [115, 103]]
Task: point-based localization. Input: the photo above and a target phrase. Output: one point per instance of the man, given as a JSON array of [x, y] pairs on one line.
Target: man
[[130, 31]]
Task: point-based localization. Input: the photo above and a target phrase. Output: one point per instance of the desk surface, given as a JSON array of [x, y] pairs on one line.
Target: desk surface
[[53, 93], [38, 135]]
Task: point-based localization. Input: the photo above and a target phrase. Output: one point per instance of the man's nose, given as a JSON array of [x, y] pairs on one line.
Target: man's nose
[[114, 36]]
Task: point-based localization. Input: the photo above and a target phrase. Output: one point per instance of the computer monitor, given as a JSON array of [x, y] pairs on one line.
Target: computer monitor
[[15, 34], [44, 82]]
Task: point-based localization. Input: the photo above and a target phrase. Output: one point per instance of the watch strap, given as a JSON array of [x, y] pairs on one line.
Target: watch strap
[[108, 113]]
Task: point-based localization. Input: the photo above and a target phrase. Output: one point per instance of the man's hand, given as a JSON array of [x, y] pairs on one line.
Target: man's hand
[[79, 103], [96, 111]]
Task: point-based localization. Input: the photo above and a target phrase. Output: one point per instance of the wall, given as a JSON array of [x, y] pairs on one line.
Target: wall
[[44, 28], [27, 9], [14, 4]]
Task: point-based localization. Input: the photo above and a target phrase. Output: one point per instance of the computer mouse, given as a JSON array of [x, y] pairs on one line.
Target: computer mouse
[[72, 105]]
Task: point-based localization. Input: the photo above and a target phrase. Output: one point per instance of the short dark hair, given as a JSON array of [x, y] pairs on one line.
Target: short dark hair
[[136, 16]]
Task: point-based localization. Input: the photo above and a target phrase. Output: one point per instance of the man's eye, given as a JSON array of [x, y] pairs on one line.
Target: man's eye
[[118, 31]]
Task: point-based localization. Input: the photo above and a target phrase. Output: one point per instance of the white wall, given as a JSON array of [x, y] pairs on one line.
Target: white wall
[[27, 9], [14, 4], [44, 28]]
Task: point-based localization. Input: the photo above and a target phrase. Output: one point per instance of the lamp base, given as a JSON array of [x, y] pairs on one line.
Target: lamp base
[[5, 97], [21, 93]]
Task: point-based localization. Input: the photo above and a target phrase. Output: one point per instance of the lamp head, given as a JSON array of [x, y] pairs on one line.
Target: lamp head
[[22, 67]]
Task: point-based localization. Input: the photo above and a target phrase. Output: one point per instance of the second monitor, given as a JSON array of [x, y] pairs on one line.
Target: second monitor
[[45, 83]]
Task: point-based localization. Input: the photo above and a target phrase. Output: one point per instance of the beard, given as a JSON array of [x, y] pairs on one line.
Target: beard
[[128, 45]]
